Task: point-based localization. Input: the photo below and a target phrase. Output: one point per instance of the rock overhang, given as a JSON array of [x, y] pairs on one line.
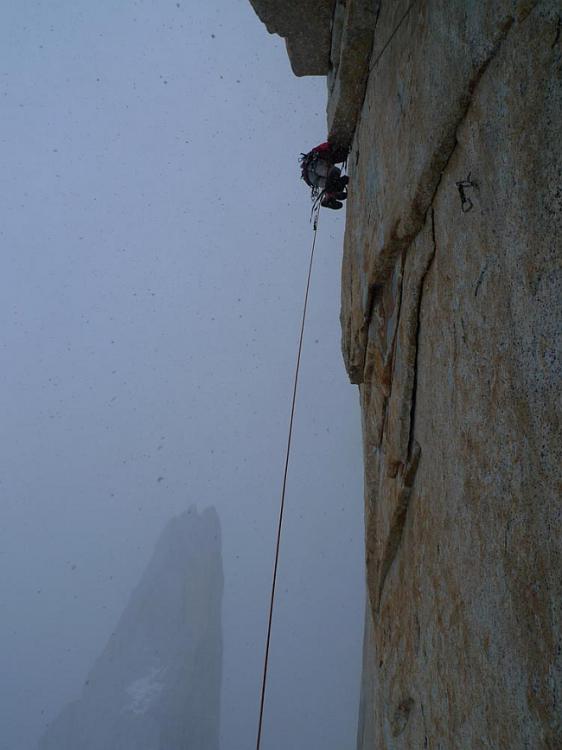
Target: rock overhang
[[306, 28], [332, 38]]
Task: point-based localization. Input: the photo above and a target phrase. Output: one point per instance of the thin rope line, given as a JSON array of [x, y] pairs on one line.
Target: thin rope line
[[282, 506], [373, 65]]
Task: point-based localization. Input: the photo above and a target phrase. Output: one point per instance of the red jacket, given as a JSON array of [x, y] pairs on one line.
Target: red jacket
[[324, 152], [332, 153]]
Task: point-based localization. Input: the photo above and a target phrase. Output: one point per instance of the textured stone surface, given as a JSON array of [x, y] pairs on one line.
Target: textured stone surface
[[418, 93], [451, 323], [351, 51], [306, 28]]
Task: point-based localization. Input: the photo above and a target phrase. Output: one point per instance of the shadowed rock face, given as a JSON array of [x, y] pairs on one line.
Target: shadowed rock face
[[306, 28], [156, 686]]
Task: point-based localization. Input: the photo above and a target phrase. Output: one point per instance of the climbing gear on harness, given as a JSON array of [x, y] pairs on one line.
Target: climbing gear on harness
[[319, 172]]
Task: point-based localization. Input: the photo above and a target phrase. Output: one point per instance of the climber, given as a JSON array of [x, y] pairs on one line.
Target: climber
[[319, 172]]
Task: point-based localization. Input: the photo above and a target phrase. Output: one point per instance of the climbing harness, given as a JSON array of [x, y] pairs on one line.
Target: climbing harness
[[284, 487], [316, 167], [319, 172], [309, 164]]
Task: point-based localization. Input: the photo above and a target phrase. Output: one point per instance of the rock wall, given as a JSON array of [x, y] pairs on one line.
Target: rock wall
[[451, 322], [452, 328]]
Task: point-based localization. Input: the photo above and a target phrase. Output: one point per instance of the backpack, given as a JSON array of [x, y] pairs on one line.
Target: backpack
[[307, 162], [325, 151]]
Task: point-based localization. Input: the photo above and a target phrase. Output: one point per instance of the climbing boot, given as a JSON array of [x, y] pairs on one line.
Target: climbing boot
[[331, 202]]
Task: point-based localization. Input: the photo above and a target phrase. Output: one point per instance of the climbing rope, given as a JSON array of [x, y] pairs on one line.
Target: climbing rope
[[282, 505]]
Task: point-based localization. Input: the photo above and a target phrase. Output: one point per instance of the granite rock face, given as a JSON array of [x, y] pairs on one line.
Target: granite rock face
[[306, 28], [452, 321], [156, 686], [452, 328], [353, 25]]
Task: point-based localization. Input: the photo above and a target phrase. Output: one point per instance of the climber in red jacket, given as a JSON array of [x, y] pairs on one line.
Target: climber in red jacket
[[319, 172]]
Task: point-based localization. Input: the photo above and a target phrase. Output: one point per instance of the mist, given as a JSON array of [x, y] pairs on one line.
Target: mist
[[155, 237]]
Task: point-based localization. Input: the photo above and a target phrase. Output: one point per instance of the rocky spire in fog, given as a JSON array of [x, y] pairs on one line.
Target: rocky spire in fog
[[156, 685]]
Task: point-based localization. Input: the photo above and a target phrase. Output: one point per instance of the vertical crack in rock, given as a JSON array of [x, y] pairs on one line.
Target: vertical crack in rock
[[397, 441], [394, 345], [356, 360], [401, 451], [418, 328], [472, 86], [373, 297], [392, 35], [398, 314], [403, 491], [379, 4]]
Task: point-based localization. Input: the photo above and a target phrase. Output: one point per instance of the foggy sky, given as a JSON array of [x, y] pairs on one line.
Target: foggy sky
[[155, 242]]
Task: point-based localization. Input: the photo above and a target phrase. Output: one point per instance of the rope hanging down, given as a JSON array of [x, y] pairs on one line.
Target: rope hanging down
[[282, 506]]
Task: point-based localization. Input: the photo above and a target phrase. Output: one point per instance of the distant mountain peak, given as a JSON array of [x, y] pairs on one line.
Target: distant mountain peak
[[156, 684]]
